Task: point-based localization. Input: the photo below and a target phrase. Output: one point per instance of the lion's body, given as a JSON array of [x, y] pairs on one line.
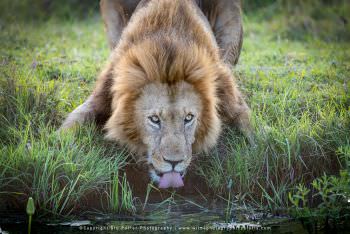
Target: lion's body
[[166, 63], [222, 16]]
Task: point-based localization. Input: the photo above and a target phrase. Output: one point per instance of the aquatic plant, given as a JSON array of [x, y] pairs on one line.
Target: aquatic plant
[[120, 195], [30, 212], [330, 204]]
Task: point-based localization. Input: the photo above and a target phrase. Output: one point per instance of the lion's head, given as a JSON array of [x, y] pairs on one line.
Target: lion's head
[[164, 105]]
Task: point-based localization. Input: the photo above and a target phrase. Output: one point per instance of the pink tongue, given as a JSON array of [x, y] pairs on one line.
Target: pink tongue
[[171, 179]]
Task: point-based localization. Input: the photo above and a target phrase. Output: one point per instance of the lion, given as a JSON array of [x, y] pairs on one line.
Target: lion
[[168, 87]]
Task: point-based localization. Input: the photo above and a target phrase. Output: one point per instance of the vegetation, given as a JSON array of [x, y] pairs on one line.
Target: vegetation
[[294, 69], [330, 193]]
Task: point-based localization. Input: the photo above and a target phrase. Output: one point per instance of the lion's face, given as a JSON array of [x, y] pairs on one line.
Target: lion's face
[[164, 105], [168, 117]]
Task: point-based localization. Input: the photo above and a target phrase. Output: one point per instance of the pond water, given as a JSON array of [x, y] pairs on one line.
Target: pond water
[[176, 216], [192, 209], [172, 221]]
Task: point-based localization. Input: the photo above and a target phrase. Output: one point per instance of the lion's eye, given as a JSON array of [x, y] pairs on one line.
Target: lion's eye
[[188, 118], [154, 119]]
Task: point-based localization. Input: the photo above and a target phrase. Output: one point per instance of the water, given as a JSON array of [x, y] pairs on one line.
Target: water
[[174, 222], [193, 209], [173, 216]]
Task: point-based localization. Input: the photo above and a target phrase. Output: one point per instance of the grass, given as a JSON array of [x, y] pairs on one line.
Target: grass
[[123, 201], [294, 70], [296, 79]]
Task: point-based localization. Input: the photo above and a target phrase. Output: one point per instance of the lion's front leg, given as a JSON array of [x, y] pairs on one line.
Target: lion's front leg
[[239, 116], [233, 108], [97, 108], [83, 113]]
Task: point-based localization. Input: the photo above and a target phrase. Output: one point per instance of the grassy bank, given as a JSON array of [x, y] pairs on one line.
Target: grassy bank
[[47, 69], [294, 70]]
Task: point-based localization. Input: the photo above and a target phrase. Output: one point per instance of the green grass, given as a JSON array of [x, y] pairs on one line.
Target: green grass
[[294, 70], [47, 69], [296, 79]]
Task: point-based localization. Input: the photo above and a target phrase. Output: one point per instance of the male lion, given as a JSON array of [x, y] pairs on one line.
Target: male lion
[[168, 84]]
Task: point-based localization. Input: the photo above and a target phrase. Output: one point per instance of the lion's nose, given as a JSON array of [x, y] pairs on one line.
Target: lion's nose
[[173, 163]]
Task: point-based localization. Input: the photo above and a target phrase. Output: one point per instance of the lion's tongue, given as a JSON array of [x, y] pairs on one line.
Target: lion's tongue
[[171, 179]]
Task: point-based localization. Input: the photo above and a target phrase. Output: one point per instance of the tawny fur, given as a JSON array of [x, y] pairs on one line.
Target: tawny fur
[[222, 16], [165, 42]]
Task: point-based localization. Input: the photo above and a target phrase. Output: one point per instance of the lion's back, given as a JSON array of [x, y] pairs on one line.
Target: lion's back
[[174, 20]]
